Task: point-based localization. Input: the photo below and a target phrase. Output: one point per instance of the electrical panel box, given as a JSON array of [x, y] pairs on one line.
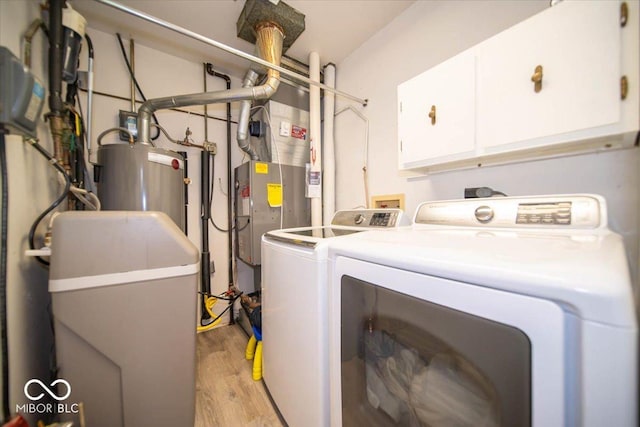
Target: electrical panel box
[[128, 120], [21, 95], [261, 199]]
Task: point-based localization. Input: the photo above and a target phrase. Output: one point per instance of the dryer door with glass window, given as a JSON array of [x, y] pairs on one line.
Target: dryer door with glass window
[[423, 351]]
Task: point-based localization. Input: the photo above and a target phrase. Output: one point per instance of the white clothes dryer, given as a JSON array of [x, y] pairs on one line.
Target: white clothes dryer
[[487, 312], [294, 311]]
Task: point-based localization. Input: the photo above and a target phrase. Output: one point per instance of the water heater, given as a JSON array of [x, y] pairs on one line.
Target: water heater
[[140, 177]]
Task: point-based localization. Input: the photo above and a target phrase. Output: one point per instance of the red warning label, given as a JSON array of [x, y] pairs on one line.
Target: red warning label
[[298, 132]]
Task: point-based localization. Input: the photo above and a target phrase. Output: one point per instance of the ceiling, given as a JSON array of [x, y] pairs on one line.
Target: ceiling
[[334, 28]]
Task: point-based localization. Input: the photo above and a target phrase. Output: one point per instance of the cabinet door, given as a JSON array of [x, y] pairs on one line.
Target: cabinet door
[[447, 90], [577, 44]]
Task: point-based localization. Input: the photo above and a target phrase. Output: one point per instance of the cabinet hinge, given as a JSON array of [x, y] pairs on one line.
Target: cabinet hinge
[[624, 87], [401, 107], [401, 145], [624, 13]]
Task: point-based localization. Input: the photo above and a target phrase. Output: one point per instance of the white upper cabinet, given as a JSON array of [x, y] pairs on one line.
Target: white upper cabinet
[[436, 113], [551, 85], [573, 50]]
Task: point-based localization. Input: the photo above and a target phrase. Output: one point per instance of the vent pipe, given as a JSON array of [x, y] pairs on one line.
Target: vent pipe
[[269, 37], [269, 45]]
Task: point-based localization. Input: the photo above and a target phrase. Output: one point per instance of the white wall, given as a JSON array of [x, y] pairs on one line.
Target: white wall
[[426, 34]]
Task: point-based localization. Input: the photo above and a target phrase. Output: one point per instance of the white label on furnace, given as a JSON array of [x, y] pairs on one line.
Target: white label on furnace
[[285, 128], [246, 207]]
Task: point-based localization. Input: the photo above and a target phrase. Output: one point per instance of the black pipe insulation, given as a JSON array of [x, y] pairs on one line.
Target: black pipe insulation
[[55, 56], [89, 45], [75, 150], [6, 412], [205, 263], [85, 143], [205, 211], [227, 79], [186, 190]]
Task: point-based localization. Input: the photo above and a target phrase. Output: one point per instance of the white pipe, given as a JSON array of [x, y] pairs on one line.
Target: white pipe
[[315, 142], [328, 148]]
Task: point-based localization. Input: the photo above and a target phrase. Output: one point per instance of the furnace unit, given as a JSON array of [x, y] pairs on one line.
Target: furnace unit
[[264, 202]]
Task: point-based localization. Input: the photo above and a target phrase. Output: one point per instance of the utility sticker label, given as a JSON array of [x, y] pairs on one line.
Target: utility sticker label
[[314, 178], [262, 168], [274, 195], [37, 96], [313, 183], [298, 132]]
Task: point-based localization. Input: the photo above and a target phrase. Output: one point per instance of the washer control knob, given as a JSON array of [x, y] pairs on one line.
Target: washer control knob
[[484, 214], [359, 219]]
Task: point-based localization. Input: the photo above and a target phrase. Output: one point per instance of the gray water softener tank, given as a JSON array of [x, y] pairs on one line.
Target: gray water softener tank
[[139, 177], [123, 289]]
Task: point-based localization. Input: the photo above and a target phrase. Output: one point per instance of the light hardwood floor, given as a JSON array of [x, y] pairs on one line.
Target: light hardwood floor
[[226, 395]]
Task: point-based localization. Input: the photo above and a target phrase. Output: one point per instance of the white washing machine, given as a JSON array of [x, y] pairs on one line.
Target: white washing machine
[[486, 312], [294, 311]]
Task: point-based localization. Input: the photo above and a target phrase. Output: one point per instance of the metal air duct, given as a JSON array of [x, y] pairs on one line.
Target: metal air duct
[[269, 37]]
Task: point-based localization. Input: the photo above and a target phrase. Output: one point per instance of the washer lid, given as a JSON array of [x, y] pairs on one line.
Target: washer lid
[[585, 271], [310, 236]]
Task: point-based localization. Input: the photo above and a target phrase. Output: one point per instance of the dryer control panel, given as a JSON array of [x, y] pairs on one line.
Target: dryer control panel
[[385, 218], [579, 211]]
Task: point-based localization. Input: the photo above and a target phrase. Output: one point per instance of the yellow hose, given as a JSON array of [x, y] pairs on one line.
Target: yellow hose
[[251, 348], [257, 362], [208, 304]]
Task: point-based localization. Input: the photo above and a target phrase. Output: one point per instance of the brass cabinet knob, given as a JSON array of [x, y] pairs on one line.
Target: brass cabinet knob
[[432, 114], [537, 79]]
